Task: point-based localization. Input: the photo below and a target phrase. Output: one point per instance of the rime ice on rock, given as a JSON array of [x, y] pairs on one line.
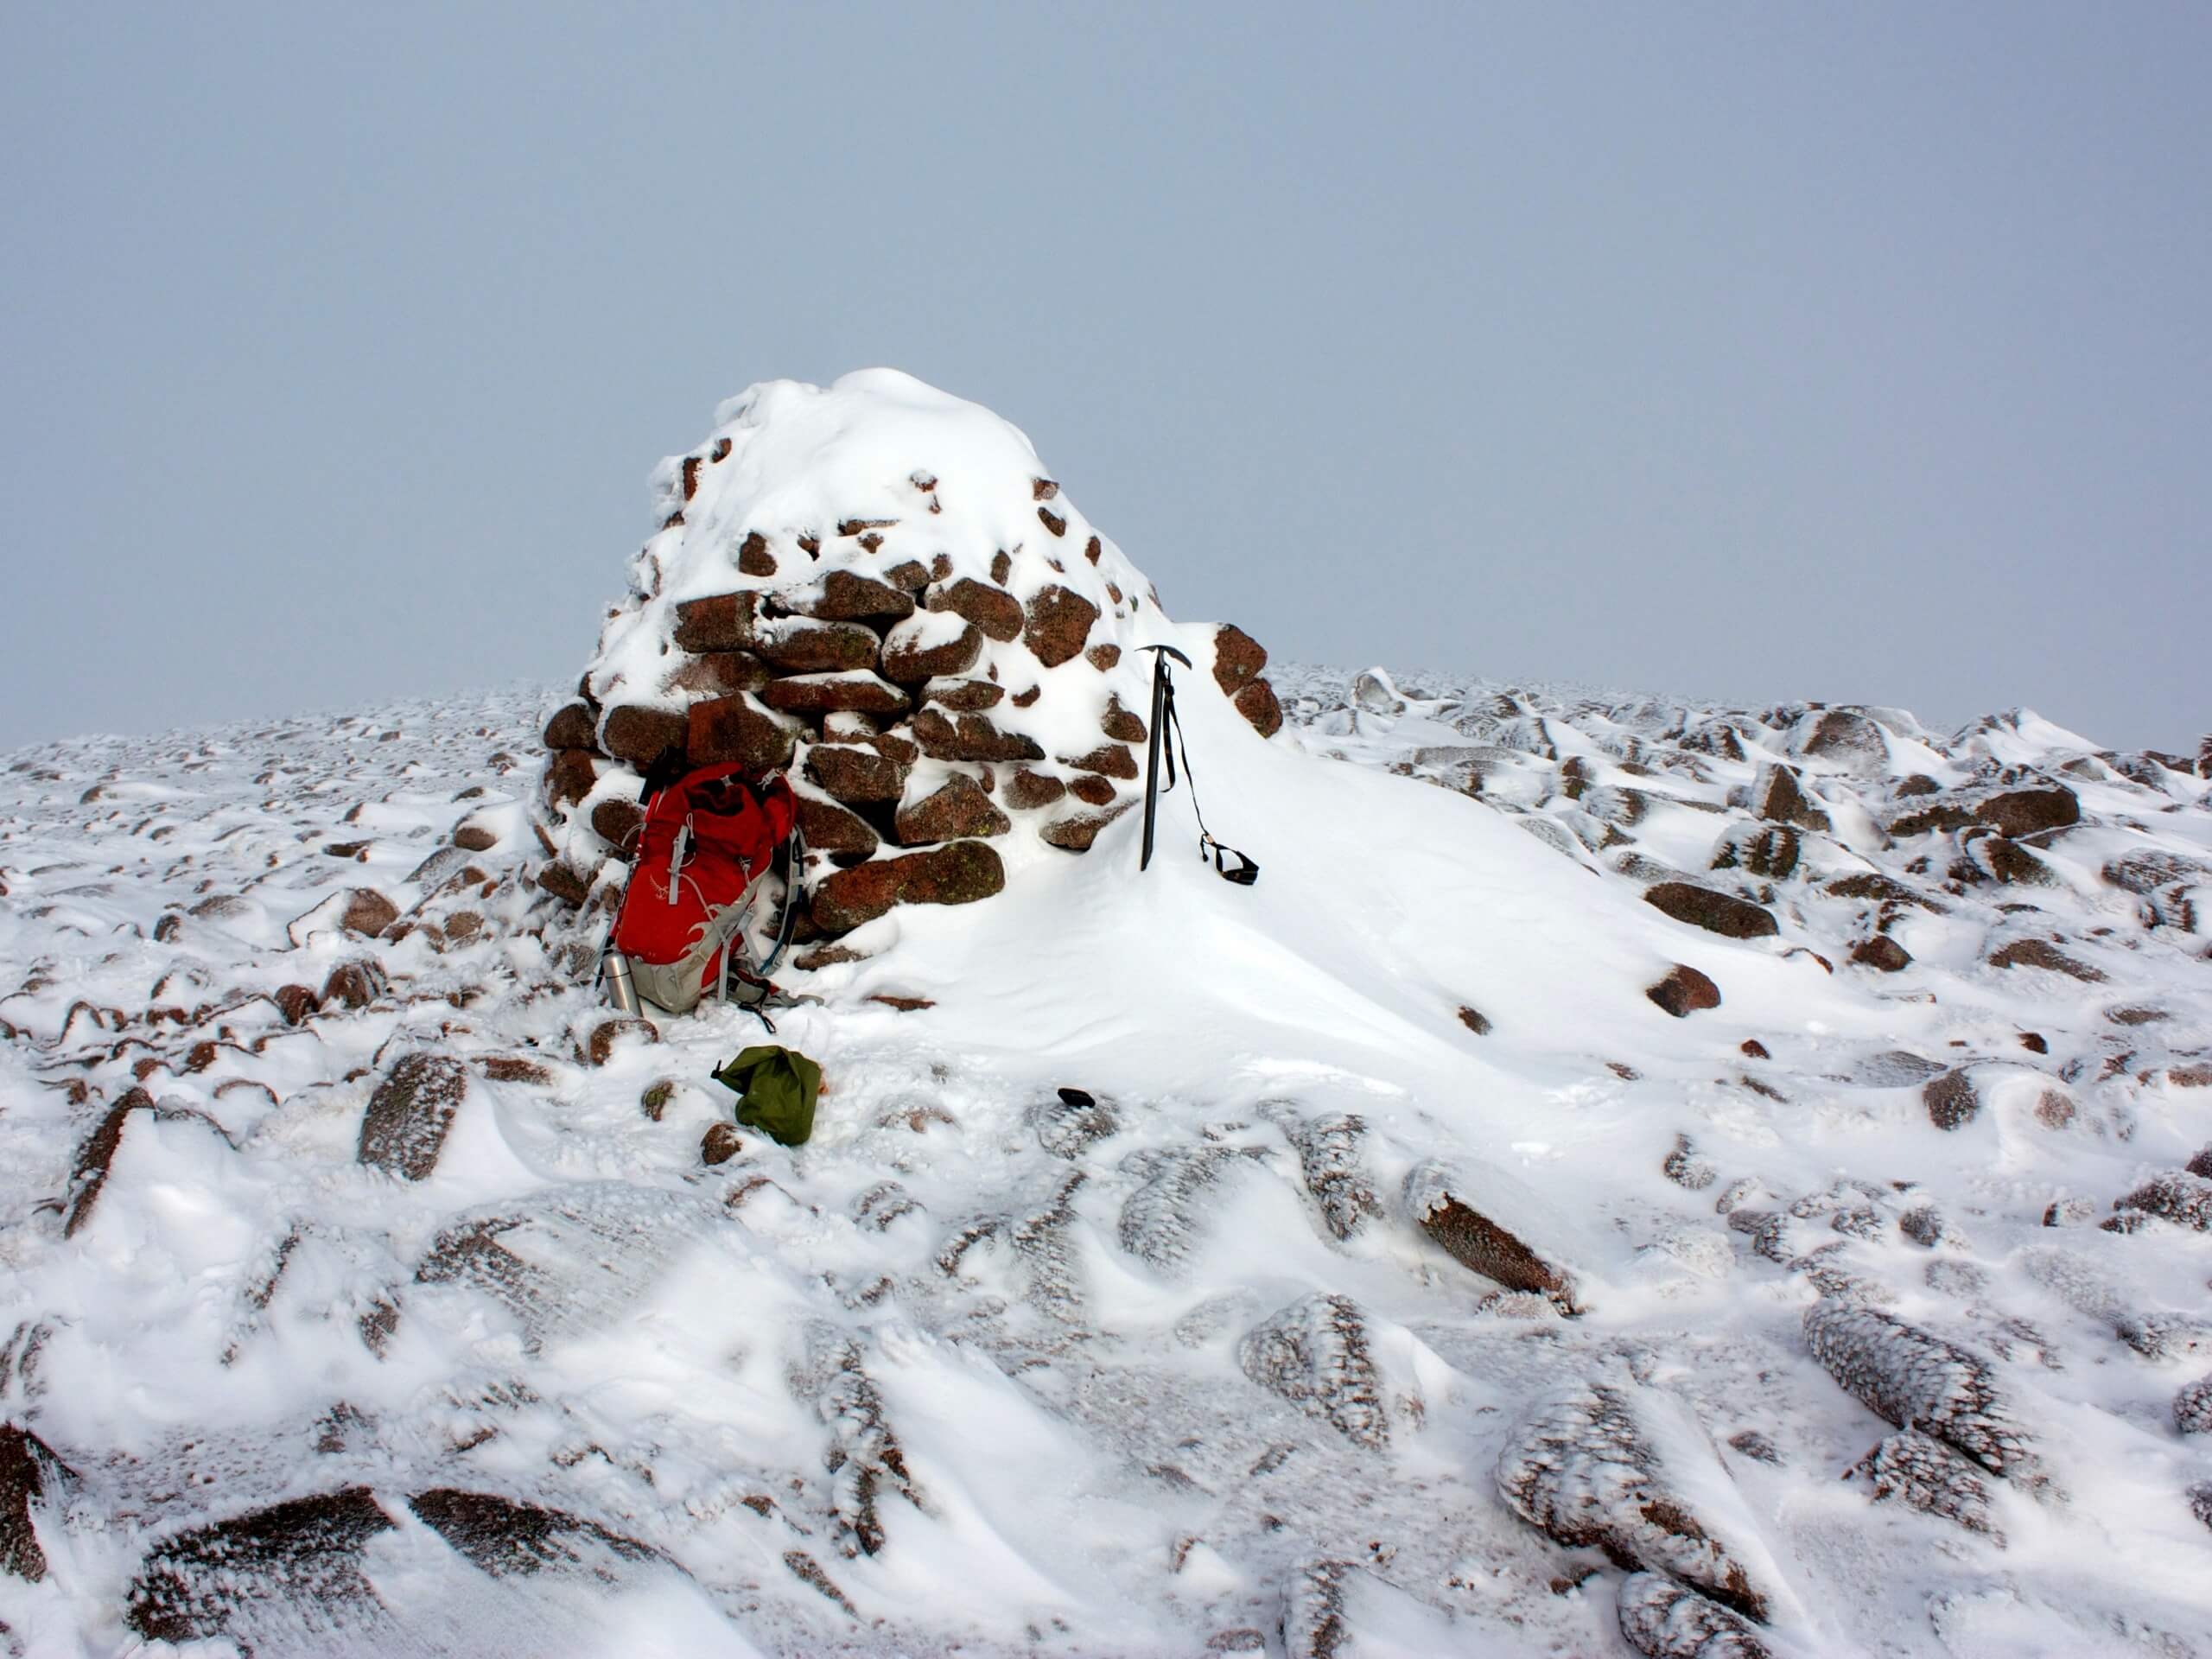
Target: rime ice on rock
[[879, 587], [1608, 1466], [1927, 1475], [1916, 1379], [1315, 1354], [1662, 1620]]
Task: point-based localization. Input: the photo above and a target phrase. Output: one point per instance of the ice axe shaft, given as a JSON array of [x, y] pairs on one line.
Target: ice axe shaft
[[1158, 740]]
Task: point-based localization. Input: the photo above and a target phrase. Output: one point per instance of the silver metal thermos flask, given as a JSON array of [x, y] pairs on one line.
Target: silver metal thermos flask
[[622, 990]]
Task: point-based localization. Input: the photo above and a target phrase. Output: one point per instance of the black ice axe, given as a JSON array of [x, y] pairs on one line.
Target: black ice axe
[[1244, 871]]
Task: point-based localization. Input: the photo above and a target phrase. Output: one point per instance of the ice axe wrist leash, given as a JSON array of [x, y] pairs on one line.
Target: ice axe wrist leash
[[1243, 871]]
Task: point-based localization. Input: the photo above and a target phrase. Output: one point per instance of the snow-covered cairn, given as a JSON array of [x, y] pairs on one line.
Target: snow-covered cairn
[[880, 588]]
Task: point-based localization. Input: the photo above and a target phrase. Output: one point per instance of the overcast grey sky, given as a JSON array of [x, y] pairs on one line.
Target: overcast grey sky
[[1858, 352]]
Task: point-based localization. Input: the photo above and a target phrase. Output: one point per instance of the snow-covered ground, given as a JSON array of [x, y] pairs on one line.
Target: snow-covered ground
[[1123, 1302]]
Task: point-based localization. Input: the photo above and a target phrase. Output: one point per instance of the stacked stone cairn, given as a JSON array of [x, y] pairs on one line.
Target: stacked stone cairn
[[878, 590]]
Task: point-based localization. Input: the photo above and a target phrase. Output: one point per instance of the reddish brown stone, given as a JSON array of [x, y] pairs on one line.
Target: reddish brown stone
[[754, 557], [1951, 1100], [737, 728], [903, 1004], [1075, 833], [368, 913], [972, 738], [1103, 658], [411, 1114], [1754, 1049], [1092, 549], [721, 1143], [641, 735], [957, 808], [1684, 991], [570, 776], [1258, 704], [1057, 624], [1043, 489], [296, 1003], [2039, 953], [815, 694], [893, 744], [2023, 811], [616, 820], [809, 647], [475, 838], [690, 476], [722, 622], [1051, 521], [1002, 565], [563, 883], [829, 828], [599, 1048], [29, 1474], [1883, 953], [855, 774], [1110, 760], [963, 696], [908, 575], [1023, 699], [848, 596], [994, 610], [910, 664], [1237, 658], [571, 728], [1715, 912], [856, 526], [1092, 790], [1120, 724], [959, 872], [719, 674], [1028, 790]]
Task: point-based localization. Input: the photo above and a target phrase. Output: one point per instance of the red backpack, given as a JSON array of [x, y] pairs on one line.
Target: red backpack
[[706, 842]]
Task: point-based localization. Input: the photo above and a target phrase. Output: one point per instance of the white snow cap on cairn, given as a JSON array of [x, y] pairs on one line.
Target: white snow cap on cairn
[[875, 565]]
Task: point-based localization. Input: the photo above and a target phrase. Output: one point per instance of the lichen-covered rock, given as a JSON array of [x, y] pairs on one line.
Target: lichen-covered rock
[[1925, 1474], [959, 872], [1684, 991], [1715, 912], [1057, 625], [411, 1114], [1616, 1468], [1479, 1241], [1777, 799], [1261, 709], [2018, 812], [1916, 1379], [1315, 1354], [1881, 953], [957, 808], [741, 728], [853, 774], [1663, 1619]]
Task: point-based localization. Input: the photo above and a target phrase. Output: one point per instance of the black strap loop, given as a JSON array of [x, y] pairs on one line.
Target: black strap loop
[[1245, 871]]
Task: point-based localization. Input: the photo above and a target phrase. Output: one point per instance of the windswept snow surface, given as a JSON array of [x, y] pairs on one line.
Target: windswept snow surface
[[1191, 1360]]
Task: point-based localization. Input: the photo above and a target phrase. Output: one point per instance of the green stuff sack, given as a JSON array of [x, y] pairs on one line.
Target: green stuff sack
[[775, 1089]]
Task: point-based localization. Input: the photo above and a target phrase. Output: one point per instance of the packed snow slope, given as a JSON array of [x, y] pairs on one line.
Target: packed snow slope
[[1408, 1255]]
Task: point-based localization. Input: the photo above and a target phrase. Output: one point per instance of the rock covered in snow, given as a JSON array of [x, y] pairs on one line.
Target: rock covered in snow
[[1622, 1469], [1662, 1620], [880, 587], [1916, 1379]]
